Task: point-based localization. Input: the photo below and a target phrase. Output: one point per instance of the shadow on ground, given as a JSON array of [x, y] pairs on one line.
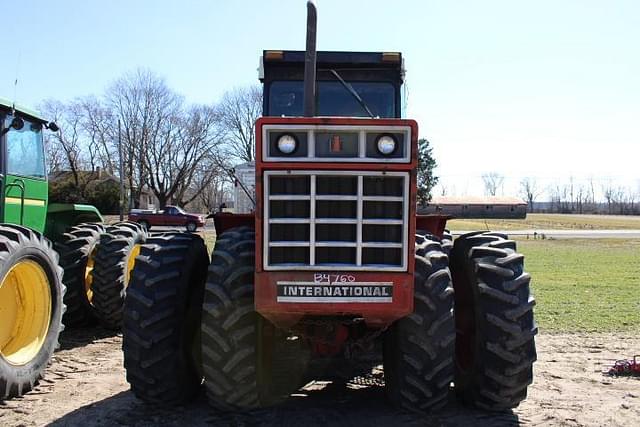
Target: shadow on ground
[[79, 337], [333, 404]]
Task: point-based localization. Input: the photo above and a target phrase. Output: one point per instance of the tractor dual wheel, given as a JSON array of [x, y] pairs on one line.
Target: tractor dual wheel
[[495, 348], [31, 307], [162, 311], [114, 260], [77, 256], [447, 242], [247, 362], [419, 349]]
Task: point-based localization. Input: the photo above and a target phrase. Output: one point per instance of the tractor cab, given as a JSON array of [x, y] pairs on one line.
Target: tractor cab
[[23, 176], [22, 166], [342, 77]]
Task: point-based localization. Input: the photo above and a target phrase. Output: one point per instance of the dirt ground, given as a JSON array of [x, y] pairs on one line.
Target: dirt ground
[[86, 386]]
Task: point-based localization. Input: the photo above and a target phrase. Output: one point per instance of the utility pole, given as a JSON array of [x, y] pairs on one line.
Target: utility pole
[[121, 173]]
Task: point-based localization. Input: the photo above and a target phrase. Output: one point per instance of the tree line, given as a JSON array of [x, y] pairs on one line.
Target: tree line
[[571, 196], [182, 153]]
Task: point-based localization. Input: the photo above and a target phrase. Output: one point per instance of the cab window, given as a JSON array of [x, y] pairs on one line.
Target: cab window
[[333, 99], [25, 150]]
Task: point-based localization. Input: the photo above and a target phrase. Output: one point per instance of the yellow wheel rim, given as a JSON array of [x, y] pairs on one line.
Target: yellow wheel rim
[[25, 312], [88, 276], [131, 262]]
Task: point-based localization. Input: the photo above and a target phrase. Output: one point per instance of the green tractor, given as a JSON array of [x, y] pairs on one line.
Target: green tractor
[[43, 247]]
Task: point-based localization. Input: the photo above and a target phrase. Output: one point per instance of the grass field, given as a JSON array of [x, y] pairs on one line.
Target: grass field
[[550, 222], [585, 284]]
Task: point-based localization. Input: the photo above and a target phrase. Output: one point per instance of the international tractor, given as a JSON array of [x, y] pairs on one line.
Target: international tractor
[[333, 261], [45, 250]]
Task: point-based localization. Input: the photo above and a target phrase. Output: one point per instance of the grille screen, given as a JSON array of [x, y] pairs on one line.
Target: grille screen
[[351, 221]]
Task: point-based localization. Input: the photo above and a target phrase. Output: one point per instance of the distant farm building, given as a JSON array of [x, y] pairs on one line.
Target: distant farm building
[[477, 207]]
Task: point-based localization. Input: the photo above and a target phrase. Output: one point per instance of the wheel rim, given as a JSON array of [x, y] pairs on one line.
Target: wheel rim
[[191, 227], [25, 312], [131, 262], [88, 276]]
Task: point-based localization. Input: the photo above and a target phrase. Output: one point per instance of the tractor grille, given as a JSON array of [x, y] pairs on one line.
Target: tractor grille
[[328, 220]]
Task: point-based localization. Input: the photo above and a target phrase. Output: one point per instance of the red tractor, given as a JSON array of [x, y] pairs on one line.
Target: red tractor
[[333, 261]]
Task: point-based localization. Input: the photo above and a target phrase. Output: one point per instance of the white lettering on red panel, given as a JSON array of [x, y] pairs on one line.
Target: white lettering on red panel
[[334, 288]]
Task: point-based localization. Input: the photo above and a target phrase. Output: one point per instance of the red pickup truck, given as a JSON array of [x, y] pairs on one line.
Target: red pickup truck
[[170, 216]]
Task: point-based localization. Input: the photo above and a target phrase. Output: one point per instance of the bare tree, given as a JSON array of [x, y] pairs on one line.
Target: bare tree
[[581, 197], [592, 193], [554, 197], [239, 110], [571, 194], [65, 145], [608, 191], [167, 148], [620, 200], [214, 183], [56, 156], [632, 197], [101, 132], [148, 110], [530, 191], [559, 198], [492, 182], [199, 139]]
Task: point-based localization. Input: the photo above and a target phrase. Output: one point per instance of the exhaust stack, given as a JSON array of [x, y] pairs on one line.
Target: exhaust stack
[[310, 61]]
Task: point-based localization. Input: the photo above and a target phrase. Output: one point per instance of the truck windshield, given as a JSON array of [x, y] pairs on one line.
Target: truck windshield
[[333, 99]]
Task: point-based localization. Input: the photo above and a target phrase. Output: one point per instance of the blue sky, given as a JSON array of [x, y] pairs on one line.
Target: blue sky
[[548, 89]]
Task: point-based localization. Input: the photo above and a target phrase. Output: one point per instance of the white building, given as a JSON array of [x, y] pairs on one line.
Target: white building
[[246, 174]]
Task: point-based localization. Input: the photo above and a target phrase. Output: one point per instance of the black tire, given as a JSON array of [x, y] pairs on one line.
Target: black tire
[[495, 348], [191, 226], [145, 224], [114, 259], [419, 349], [77, 253], [247, 362], [162, 312], [447, 242], [20, 246]]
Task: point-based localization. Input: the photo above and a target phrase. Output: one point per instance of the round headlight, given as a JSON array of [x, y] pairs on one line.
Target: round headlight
[[287, 144], [386, 145]]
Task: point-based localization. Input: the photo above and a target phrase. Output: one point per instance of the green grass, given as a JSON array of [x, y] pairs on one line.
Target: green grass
[[550, 221], [585, 284]]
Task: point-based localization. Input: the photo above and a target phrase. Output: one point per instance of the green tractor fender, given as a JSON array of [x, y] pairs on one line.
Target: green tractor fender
[[61, 216]]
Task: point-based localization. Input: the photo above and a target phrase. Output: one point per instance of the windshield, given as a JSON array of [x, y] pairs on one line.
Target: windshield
[[333, 99], [25, 149]]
